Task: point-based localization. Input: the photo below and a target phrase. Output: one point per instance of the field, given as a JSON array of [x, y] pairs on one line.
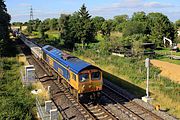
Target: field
[[162, 55], [169, 70]]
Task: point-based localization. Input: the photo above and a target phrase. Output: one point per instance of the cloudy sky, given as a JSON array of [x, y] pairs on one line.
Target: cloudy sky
[[20, 9]]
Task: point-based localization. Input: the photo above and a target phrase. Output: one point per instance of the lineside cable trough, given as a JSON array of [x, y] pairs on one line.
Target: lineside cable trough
[[46, 110]]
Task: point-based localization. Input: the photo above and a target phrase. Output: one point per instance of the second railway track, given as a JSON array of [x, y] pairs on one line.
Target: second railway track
[[130, 108]]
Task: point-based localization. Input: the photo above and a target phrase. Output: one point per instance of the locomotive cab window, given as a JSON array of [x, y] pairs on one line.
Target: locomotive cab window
[[74, 77], [84, 77], [95, 75], [49, 48]]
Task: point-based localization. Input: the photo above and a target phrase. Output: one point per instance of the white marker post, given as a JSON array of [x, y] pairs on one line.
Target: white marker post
[[147, 64]]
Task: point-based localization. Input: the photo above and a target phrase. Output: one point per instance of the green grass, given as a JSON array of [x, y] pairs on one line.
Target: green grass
[[53, 34], [35, 34], [99, 37], [16, 103], [162, 55], [167, 59], [167, 51]]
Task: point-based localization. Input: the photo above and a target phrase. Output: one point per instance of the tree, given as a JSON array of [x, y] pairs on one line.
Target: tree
[[98, 21], [86, 29], [46, 24], [137, 48], [35, 24], [4, 26], [41, 30], [77, 28], [68, 29], [177, 23], [160, 26], [142, 18], [133, 27], [118, 22], [139, 16], [106, 28], [29, 27], [53, 23]]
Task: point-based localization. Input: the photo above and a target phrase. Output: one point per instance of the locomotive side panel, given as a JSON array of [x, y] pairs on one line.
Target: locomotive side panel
[[68, 75], [74, 80], [61, 70]]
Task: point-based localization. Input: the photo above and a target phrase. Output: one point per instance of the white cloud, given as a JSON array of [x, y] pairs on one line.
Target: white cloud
[[157, 5], [128, 5]]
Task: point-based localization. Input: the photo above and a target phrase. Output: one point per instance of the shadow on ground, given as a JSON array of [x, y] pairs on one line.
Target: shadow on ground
[[133, 89]]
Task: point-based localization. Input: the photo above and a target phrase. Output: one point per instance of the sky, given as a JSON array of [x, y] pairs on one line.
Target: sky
[[42, 9]]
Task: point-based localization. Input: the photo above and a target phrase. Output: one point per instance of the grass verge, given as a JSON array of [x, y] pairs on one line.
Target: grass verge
[[16, 102]]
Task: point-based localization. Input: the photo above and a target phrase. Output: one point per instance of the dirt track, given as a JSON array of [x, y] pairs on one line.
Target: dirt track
[[169, 70]]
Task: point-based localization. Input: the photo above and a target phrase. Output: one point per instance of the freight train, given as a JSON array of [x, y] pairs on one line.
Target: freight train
[[81, 78]]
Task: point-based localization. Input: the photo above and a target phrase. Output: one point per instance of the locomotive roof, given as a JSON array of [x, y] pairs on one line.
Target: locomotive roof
[[75, 64]]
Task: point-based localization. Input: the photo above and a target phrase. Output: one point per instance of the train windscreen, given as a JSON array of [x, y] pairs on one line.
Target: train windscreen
[[96, 75], [84, 77]]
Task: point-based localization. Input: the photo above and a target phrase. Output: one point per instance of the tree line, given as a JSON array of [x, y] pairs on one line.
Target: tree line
[[81, 27], [4, 28]]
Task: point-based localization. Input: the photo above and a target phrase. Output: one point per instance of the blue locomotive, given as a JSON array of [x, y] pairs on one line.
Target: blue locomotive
[[82, 78]]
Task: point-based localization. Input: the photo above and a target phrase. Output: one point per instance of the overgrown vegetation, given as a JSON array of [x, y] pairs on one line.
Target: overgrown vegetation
[[15, 100]]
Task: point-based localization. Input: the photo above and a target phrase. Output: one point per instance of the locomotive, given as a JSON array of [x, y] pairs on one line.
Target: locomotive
[[81, 78]]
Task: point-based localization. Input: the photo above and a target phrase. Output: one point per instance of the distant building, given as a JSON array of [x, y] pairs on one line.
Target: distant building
[[18, 27], [179, 32]]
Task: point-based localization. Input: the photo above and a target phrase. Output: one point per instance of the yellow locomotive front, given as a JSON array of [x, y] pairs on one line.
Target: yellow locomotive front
[[90, 83]]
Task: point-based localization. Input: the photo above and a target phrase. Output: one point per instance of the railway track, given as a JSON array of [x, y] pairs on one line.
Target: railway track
[[65, 103], [130, 108], [70, 108], [59, 93], [98, 111]]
